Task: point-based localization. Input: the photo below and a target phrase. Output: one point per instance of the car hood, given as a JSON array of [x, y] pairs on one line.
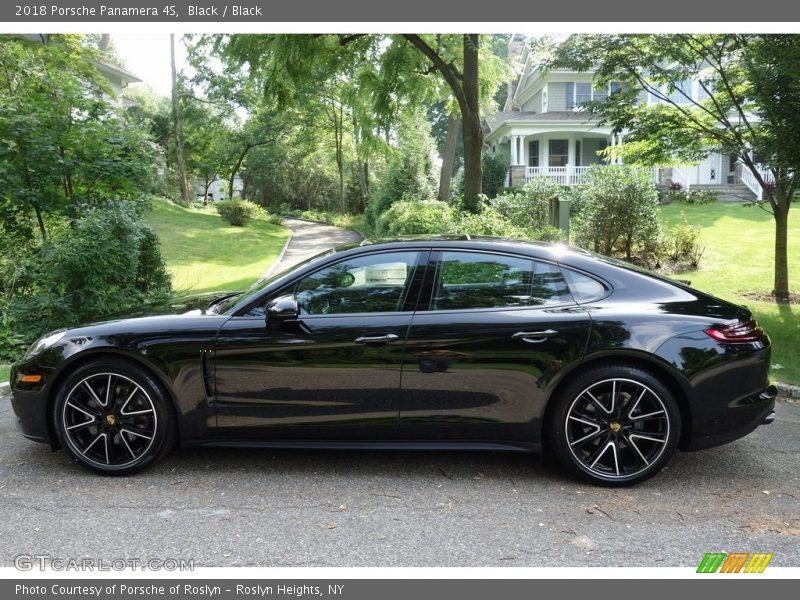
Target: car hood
[[195, 304]]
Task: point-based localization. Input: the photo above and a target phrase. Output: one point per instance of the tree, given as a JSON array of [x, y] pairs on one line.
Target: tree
[[63, 147], [392, 75], [749, 105], [177, 126]]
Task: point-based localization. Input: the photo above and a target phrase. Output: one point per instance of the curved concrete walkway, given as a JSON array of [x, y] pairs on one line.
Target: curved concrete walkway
[[310, 238]]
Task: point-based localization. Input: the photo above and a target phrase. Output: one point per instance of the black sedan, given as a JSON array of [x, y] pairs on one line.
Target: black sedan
[[447, 343]]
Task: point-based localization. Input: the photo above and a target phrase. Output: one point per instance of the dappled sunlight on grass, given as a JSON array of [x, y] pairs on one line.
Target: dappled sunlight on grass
[[739, 258], [204, 253]]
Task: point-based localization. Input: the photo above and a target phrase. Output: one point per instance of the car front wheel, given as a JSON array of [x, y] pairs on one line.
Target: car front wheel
[[113, 417], [615, 426]]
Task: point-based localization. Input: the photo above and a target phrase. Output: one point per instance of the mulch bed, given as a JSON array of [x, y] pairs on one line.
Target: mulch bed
[[794, 298]]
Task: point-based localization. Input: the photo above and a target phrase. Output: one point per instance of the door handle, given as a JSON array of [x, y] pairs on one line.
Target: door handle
[[377, 339], [534, 337]]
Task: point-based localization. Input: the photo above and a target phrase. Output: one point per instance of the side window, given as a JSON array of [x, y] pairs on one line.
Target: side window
[[583, 287], [467, 280], [365, 284]]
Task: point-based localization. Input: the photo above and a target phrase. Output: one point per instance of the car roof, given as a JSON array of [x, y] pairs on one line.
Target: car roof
[[552, 250]]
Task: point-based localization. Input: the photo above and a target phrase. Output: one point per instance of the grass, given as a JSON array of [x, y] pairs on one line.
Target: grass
[[738, 259], [204, 253], [5, 372]]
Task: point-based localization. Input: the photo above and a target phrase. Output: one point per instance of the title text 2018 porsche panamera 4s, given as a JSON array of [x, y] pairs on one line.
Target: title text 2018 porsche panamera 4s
[[429, 343]]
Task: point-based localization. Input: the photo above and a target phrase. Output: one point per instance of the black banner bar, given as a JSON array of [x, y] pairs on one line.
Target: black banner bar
[[729, 588], [362, 11]]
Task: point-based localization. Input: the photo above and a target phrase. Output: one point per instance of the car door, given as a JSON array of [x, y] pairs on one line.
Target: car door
[[334, 372], [479, 359]]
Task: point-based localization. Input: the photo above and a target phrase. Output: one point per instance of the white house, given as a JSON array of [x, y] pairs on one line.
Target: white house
[[218, 188], [543, 131]]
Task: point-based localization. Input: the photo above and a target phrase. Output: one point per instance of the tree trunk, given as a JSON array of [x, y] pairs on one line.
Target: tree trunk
[[471, 125], [780, 211], [448, 158], [178, 132], [339, 132], [40, 221]]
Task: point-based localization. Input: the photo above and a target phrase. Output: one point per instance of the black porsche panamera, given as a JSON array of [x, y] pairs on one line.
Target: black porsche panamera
[[442, 343]]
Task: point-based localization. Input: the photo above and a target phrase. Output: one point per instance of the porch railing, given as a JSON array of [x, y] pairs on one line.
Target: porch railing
[[679, 176], [561, 175], [752, 183]]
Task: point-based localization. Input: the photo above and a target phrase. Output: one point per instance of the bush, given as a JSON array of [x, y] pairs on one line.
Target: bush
[[108, 262], [238, 212], [495, 169], [619, 213], [413, 218], [528, 207], [683, 245]]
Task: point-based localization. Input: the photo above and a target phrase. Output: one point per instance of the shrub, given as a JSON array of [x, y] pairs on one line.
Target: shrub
[[694, 196], [528, 207], [683, 244], [488, 221], [108, 262], [237, 212], [619, 213], [495, 169], [412, 218]]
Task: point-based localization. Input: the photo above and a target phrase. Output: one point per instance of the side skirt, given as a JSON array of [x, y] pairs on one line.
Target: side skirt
[[369, 445]]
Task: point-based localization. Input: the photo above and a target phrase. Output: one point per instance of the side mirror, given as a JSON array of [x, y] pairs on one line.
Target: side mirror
[[280, 310]]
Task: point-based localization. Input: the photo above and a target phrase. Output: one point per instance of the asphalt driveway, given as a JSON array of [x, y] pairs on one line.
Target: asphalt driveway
[[227, 507]]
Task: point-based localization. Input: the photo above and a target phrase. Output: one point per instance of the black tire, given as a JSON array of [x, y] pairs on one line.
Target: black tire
[[614, 426], [113, 417]]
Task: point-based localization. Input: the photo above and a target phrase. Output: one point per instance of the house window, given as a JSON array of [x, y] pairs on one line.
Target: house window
[[570, 91], [583, 93], [599, 94], [577, 153], [559, 153], [533, 153], [682, 92], [615, 86], [732, 160]]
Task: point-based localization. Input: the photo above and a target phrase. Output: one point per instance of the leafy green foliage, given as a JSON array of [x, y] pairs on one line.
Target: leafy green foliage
[[409, 173], [749, 106], [495, 169], [107, 262], [63, 146], [528, 206], [237, 212], [683, 245], [619, 213], [409, 217]]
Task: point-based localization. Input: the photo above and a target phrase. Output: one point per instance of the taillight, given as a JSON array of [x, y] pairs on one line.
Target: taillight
[[736, 333]]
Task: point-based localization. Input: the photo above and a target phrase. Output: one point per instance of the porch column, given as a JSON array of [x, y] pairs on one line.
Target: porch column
[[621, 140], [523, 151], [513, 143]]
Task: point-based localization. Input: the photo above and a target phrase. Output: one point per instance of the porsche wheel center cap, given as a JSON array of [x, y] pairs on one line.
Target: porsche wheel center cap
[[111, 419], [614, 426]]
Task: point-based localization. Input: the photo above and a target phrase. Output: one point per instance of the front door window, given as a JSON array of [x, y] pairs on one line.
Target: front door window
[[559, 153]]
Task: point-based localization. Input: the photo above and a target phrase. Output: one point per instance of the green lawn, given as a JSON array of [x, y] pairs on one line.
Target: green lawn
[[5, 371], [738, 259], [205, 254]]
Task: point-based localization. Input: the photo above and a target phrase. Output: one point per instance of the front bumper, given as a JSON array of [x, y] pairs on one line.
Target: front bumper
[[29, 403], [739, 419]]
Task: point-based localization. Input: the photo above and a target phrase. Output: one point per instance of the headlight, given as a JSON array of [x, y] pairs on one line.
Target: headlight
[[44, 342]]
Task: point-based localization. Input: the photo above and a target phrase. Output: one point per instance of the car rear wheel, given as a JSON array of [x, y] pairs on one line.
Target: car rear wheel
[[113, 417], [614, 426]]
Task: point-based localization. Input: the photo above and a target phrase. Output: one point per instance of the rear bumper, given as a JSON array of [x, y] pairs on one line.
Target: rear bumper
[[739, 419]]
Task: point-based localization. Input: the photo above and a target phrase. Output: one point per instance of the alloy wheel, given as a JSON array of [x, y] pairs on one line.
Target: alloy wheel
[[109, 420], [617, 428]]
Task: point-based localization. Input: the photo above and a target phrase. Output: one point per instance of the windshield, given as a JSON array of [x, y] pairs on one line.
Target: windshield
[[260, 284]]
